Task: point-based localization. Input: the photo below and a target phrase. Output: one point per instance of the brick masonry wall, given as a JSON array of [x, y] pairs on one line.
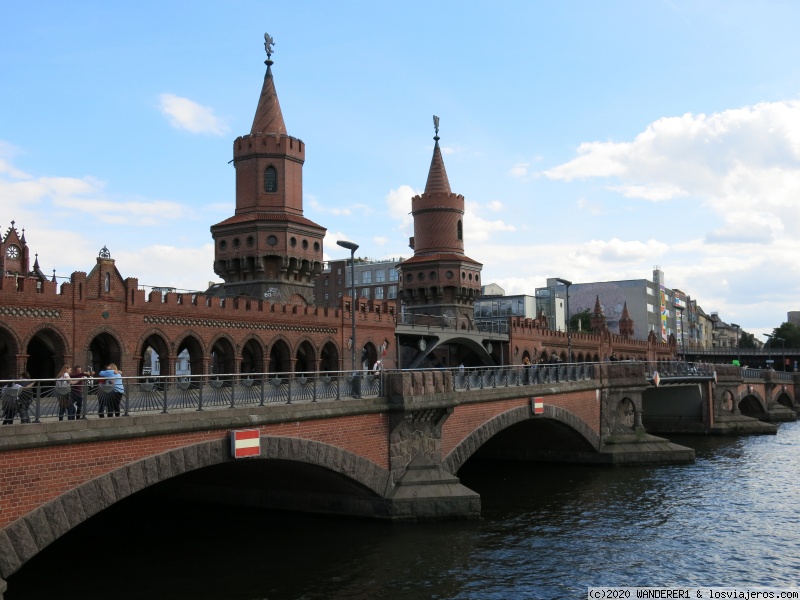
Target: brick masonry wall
[[466, 418], [29, 478]]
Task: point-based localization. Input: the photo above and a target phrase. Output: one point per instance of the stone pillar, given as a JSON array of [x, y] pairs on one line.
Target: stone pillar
[[421, 488]]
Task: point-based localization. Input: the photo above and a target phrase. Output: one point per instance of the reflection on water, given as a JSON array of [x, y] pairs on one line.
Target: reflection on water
[[548, 531]]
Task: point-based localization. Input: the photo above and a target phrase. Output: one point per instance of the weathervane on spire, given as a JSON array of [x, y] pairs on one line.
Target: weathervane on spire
[[268, 44], [436, 124]]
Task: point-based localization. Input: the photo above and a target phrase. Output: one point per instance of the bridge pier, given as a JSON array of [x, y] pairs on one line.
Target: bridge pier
[[423, 489]]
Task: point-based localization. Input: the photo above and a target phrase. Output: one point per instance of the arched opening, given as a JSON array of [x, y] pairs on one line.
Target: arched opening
[[222, 358], [192, 347], [104, 349], [329, 358], [369, 355], [154, 356], [8, 353], [252, 357], [45, 354], [279, 357], [305, 360], [749, 406]]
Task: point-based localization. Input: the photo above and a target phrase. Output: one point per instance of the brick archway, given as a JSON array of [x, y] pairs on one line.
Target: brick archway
[[469, 445], [24, 538]]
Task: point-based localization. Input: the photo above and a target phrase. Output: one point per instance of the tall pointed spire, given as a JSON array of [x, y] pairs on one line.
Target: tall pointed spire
[[269, 118], [437, 176]]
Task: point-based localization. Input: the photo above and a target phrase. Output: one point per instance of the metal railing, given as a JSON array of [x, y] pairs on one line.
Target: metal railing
[[680, 369], [472, 378], [48, 399]]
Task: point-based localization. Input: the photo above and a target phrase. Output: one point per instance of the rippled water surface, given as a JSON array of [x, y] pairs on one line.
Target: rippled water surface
[[548, 531]]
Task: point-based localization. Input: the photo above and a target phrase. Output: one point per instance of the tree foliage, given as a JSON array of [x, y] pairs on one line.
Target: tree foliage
[[585, 319], [789, 333], [747, 340]]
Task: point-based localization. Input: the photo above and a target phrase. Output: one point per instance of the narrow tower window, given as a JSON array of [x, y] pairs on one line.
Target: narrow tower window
[[460, 231], [270, 180], [107, 282]]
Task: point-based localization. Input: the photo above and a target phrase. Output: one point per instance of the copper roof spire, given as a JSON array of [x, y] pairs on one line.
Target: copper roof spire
[[269, 118], [437, 176]]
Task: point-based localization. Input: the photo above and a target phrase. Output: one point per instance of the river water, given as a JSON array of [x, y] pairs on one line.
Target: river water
[[547, 532]]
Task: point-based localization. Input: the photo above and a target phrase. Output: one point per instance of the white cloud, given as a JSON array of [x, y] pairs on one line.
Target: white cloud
[[399, 203], [520, 170], [191, 116]]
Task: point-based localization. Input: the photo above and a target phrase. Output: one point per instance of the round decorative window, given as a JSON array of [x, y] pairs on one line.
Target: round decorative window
[[250, 240], [305, 244], [236, 242], [409, 277], [293, 242], [223, 244], [272, 240], [470, 277], [432, 275], [449, 274], [463, 275], [316, 246]]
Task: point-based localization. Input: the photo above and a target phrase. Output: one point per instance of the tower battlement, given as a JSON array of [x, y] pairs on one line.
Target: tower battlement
[[269, 143]]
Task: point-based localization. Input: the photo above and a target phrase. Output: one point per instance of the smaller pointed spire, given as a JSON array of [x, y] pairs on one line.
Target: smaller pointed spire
[[269, 118], [54, 275], [437, 175], [598, 309], [625, 313], [22, 239], [36, 263]]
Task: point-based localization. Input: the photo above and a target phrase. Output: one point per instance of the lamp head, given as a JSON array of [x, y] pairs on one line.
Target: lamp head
[[564, 281], [349, 245]]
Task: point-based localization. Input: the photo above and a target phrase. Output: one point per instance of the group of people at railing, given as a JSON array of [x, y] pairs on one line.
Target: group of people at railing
[[70, 388]]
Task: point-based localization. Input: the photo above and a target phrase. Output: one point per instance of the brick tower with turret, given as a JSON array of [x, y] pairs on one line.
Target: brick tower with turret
[[439, 281], [268, 249]]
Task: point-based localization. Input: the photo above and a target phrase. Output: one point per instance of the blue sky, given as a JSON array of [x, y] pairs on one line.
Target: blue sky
[[591, 140]]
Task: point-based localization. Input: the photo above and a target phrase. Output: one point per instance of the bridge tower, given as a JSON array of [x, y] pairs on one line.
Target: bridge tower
[[268, 249], [439, 280]]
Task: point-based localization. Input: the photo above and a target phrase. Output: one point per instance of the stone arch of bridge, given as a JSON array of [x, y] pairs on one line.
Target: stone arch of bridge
[[753, 405], [785, 399], [470, 444], [26, 537]]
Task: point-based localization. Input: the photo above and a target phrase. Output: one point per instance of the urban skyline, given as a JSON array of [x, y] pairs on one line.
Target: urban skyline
[[590, 142]]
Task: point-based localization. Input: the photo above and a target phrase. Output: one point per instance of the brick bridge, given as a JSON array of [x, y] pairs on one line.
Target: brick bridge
[[391, 454]]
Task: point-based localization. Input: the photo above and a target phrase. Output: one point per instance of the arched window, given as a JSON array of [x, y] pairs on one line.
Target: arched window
[[107, 284], [270, 179], [460, 231]]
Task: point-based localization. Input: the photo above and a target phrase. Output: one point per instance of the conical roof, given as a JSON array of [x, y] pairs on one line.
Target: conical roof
[[437, 176], [269, 118]]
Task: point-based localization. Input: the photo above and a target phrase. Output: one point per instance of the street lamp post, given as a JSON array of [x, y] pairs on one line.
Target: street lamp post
[[352, 247], [679, 308], [738, 350], [783, 348], [569, 332]]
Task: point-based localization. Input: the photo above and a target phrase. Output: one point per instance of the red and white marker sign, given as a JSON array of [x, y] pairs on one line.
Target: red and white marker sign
[[538, 406], [245, 442]]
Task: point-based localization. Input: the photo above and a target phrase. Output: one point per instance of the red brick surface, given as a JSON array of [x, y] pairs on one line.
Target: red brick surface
[[30, 478]]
